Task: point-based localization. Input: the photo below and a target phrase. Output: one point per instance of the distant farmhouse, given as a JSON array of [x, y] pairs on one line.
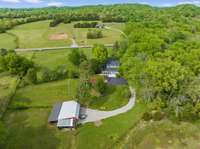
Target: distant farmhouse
[[111, 73], [111, 69], [65, 115]]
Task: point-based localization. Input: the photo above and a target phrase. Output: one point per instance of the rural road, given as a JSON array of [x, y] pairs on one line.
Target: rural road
[[57, 48], [96, 115]]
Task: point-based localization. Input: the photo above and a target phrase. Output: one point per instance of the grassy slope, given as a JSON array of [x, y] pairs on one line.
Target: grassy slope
[[47, 94], [8, 41], [53, 58], [36, 34], [163, 134], [31, 125], [6, 83], [30, 128], [114, 99], [111, 131]]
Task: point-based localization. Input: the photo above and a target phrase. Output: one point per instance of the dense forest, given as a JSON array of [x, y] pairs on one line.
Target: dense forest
[[111, 13]]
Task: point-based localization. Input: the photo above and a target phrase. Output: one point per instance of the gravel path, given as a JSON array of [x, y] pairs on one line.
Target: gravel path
[[56, 48], [96, 115]]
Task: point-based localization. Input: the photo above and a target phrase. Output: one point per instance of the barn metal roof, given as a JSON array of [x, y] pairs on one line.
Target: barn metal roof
[[69, 109], [65, 123], [55, 112]]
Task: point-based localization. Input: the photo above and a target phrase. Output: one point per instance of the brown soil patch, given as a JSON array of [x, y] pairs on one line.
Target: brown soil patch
[[60, 36], [98, 123]]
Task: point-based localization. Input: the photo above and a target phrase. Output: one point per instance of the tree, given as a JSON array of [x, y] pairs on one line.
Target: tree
[[95, 66], [31, 76], [100, 85], [83, 92], [100, 53], [3, 52], [16, 64], [77, 57]]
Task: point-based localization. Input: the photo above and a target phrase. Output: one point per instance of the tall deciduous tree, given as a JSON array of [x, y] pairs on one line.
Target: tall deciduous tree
[[100, 53]]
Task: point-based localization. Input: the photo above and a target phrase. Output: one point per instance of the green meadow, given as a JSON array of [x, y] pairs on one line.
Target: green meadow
[[40, 35]]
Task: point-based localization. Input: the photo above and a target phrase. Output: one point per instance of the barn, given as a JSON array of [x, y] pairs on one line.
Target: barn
[[65, 114]]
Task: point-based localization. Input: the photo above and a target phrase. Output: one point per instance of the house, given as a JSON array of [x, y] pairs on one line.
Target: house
[[65, 115], [111, 69]]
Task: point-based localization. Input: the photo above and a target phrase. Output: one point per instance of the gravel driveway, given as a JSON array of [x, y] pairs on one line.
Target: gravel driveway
[[96, 115]]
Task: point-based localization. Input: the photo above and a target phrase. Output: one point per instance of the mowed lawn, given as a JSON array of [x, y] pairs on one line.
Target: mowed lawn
[[115, 97], [8, 41], [47, 94], [37, 35]]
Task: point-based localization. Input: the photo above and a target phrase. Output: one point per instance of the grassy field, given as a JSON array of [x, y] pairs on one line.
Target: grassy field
[[6, 82], [8, 41], [37, 34], [30, 128], [47, 94], [163, 134], [53, 58], [115, 98]]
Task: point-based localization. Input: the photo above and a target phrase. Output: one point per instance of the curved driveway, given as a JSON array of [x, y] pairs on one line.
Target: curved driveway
[[96, 115]]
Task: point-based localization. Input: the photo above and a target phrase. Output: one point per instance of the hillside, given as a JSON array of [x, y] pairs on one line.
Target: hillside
[[159, 54]]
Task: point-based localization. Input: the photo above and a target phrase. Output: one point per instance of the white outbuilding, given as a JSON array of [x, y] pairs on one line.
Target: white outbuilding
[[65, 114]]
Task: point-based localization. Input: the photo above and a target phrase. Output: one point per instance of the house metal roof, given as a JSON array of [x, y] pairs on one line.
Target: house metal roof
[[117, 81], [112, 63], [55, 112]]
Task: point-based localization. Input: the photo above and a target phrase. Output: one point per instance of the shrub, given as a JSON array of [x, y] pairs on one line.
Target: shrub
[[126, 93], [158, 115], [147, 116], [86, 25], [31, 76], [94, 34], [73, 73], [100, 86], [55, 22]]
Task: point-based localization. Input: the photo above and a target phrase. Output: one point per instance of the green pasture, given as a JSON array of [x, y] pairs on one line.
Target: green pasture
[[30, 128], [46, 94], [37, 35], [8, 41]]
